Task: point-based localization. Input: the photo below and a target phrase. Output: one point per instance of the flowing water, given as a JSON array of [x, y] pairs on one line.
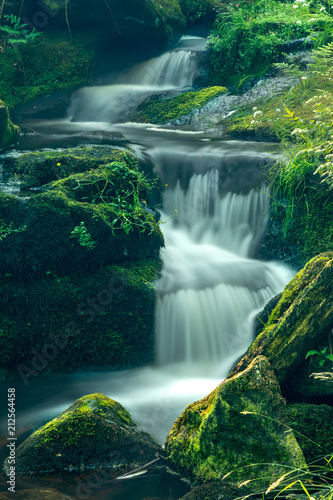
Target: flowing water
[[211, 285]]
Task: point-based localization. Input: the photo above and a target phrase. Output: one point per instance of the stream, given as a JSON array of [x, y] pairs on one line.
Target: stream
[[211, 285]]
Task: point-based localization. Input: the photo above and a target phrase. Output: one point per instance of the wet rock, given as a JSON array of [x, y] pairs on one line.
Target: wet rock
[[9, 133], [93, 431], [300, 322], [242, 422]]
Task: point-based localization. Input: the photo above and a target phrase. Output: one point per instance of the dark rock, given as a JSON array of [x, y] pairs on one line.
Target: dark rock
[[312, 425]]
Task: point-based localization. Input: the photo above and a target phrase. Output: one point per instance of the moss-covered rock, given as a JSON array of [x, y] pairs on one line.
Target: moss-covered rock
[[242, 422], [9, 133], [102, 320], [42, 167], [313, 386], [312, 425], [52, 63], [300, 322], [79, 224], [212, 492], [162, 110], [94, 431]]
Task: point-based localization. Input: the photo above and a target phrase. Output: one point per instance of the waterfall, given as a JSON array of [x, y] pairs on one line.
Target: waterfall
[[175, 69], [210, 288]]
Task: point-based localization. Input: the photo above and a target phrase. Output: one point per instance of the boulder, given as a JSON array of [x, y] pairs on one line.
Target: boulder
[[9, 133], [98, 320], [80, 223], [238, 433], [300, 322], [94, 431], [312, 425], [212, 491]]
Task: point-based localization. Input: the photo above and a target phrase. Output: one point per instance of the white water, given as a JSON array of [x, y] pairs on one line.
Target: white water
[[175, 69], [210, 289]]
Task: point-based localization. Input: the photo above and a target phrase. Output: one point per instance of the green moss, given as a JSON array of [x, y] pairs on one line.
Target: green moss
[[95, 430], [312, 425], [54, 63], [42, 167], [111, 201], [162, 110], [9, 133], [300, 322], [101, 320], [241, 422]]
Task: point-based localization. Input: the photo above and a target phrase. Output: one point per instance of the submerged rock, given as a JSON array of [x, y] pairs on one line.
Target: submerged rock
[[300, 322], [9, 133], [93, 431], [240, 431]]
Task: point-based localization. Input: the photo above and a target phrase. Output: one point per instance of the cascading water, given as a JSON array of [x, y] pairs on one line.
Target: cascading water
[[173, 70], [210, 288]]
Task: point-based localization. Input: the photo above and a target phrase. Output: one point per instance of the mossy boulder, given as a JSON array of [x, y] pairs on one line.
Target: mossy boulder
[[41, 167], [9, 133], [94, 431], [100, 320], [161, 109], [300, 322], [312, 425], [52, 63], [79, 224], [242, 422]]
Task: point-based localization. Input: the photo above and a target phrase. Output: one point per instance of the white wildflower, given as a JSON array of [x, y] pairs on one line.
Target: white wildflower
[[295, 6], [257, 113], [321, 10], [254, 109], [296, 131], [298, 22], [304, 78], [312, 19], [278, 110]]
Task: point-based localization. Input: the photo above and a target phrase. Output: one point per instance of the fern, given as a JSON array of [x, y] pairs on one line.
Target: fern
[[17, 32]]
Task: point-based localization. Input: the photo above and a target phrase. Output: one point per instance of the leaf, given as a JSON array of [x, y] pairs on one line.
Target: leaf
[[311, 353], [329, 357], [321, 362]]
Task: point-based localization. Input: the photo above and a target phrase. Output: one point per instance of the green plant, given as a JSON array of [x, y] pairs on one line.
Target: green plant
[[123, 190], [7, 229], [248, 37], [321, 358], [83, 236], [17, 31]]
